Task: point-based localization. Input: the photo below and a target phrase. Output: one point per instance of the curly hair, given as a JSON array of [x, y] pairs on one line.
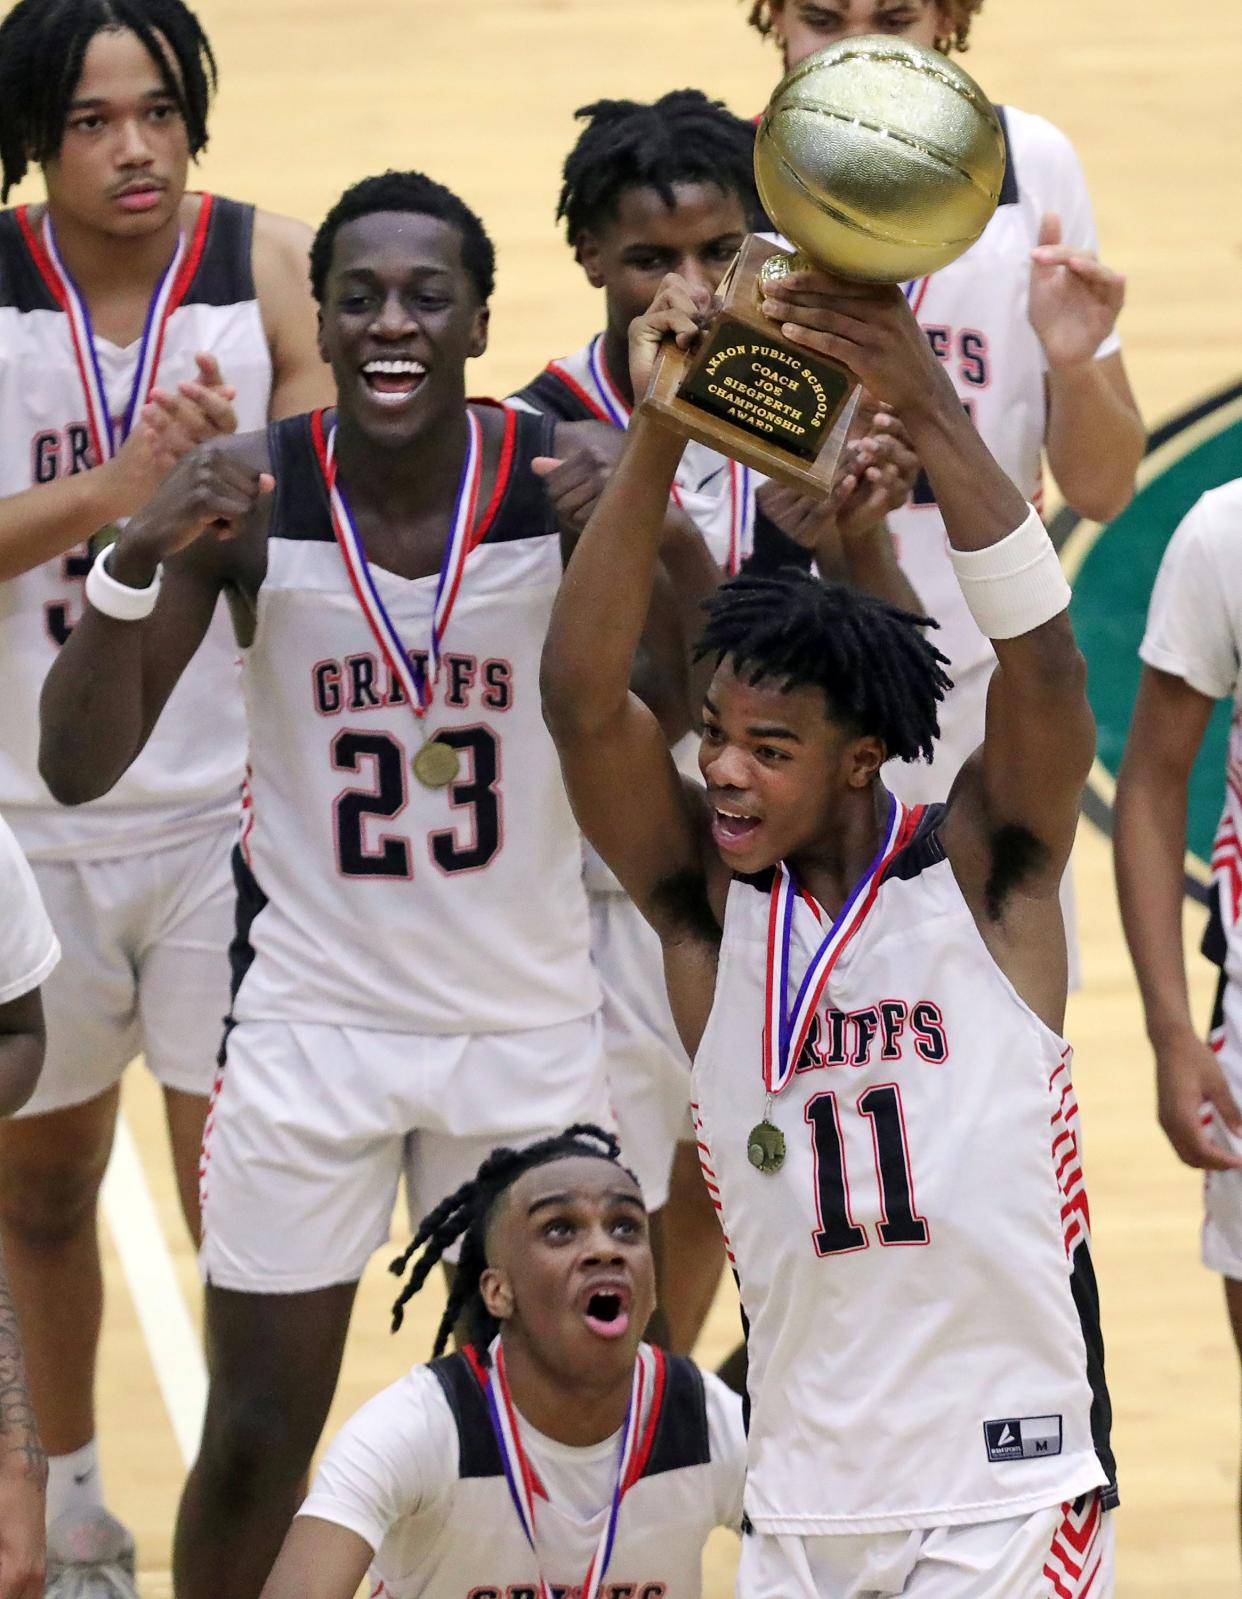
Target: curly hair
[[878, 672], [963, 13]]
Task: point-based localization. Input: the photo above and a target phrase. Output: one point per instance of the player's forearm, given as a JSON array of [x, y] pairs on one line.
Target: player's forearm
[[871, 566], [605, 595], [1149, 849], [50, 519], [93, 720], [1095, 439], [978, 502]]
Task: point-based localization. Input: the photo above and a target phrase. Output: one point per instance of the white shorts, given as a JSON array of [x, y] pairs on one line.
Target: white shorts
[[144, 971], [312, 1127], [1065, 1552], [648, 1070], [1222, 1190]]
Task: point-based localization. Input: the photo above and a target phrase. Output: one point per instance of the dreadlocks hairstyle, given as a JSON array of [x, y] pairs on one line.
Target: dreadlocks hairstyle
[[962, 12], [421, 196], [467, 1214], [877, 671], [683, 137], [42, 44]]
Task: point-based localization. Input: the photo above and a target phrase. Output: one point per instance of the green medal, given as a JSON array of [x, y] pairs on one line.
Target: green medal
[[765, 1147]]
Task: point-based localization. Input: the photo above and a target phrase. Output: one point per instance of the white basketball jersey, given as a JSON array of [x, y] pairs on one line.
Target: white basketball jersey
[[418, 1475], [1194, 632], [186, 780], [716, 493], [974, 313], [367, 899], [916, 1277]]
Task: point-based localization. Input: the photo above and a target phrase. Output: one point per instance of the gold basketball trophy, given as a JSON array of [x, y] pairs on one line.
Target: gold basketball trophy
[[882, 161]]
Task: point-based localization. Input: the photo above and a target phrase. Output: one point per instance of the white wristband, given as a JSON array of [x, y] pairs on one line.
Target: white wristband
[[1016, 585], [118, 600]]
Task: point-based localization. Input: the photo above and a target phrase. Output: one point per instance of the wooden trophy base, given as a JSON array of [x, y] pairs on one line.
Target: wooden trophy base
[[752, 395]]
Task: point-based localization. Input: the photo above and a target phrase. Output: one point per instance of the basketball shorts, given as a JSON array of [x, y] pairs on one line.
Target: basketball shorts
[[1222, 1190], [144, 971], [1064, 1552], [312, 1128], [648, 1070]]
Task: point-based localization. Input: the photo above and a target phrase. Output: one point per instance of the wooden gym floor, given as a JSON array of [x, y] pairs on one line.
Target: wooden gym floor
[[480, 94]]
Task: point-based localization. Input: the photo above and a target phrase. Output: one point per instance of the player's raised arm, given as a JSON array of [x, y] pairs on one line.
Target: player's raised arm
[[1015, 806], [143, 623], [624, 787]]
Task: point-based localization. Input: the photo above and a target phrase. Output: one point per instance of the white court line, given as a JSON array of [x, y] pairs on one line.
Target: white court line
[[173, 1342]]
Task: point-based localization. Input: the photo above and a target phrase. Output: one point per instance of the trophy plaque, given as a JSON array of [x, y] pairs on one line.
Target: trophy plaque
[[749, 393], [883, 161]]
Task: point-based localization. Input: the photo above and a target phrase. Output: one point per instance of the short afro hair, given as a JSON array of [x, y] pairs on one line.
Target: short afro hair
[[876, 668], [419, 195]]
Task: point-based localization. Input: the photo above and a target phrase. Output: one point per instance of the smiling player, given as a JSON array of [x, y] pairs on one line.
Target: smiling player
[[412, 976], [577, 1447]]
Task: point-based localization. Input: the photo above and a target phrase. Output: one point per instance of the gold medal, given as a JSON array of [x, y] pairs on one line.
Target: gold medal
[[437, 764], [765, 1147]]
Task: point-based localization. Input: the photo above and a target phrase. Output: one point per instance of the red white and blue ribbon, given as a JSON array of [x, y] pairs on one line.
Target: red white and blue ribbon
[[785, 1029], [418, 682], [104, 433], [610, 396], [916, 292], [741, 514], [522, 1481]]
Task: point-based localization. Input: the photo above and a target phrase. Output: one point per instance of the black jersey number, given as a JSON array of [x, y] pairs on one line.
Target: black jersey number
[[382, 760], [476, 791], [73, 569], [838, 1233]]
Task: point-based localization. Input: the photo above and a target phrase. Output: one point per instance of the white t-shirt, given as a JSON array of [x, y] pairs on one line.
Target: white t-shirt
[[404, 1473], [1194, 632], [28, 947]]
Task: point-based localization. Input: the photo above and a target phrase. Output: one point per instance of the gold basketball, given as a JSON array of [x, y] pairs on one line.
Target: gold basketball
[[879, 159]]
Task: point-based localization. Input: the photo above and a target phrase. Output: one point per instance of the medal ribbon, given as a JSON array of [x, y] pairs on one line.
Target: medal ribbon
[[521, 1478], [419, 684], [785, 1030], [104, 439]]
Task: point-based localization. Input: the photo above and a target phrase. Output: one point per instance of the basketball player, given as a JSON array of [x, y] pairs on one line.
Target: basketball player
[[556, 1283], [1190, 653], [412, 975], [651, 189], [138, 319], [898, 1165], [28, 953], [1024, 323]]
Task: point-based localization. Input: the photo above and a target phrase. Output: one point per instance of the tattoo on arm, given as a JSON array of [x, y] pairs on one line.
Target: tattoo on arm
[[19, 1433]]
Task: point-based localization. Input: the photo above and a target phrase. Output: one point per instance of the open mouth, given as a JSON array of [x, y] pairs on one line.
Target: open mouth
[[607, 1312], [731, 828], [393, 382]]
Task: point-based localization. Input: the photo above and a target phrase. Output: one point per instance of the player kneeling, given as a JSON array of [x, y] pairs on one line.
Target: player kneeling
[[556, 1448]]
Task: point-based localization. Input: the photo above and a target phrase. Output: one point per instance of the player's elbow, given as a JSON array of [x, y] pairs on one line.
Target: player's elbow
[[1103, 499], [68, 777]]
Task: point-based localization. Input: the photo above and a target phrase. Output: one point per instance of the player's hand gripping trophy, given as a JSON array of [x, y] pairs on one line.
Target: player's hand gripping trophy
[[882, 161]]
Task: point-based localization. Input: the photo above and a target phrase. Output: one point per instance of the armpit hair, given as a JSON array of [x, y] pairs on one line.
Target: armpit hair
[[1016, 854], [682, 898]]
